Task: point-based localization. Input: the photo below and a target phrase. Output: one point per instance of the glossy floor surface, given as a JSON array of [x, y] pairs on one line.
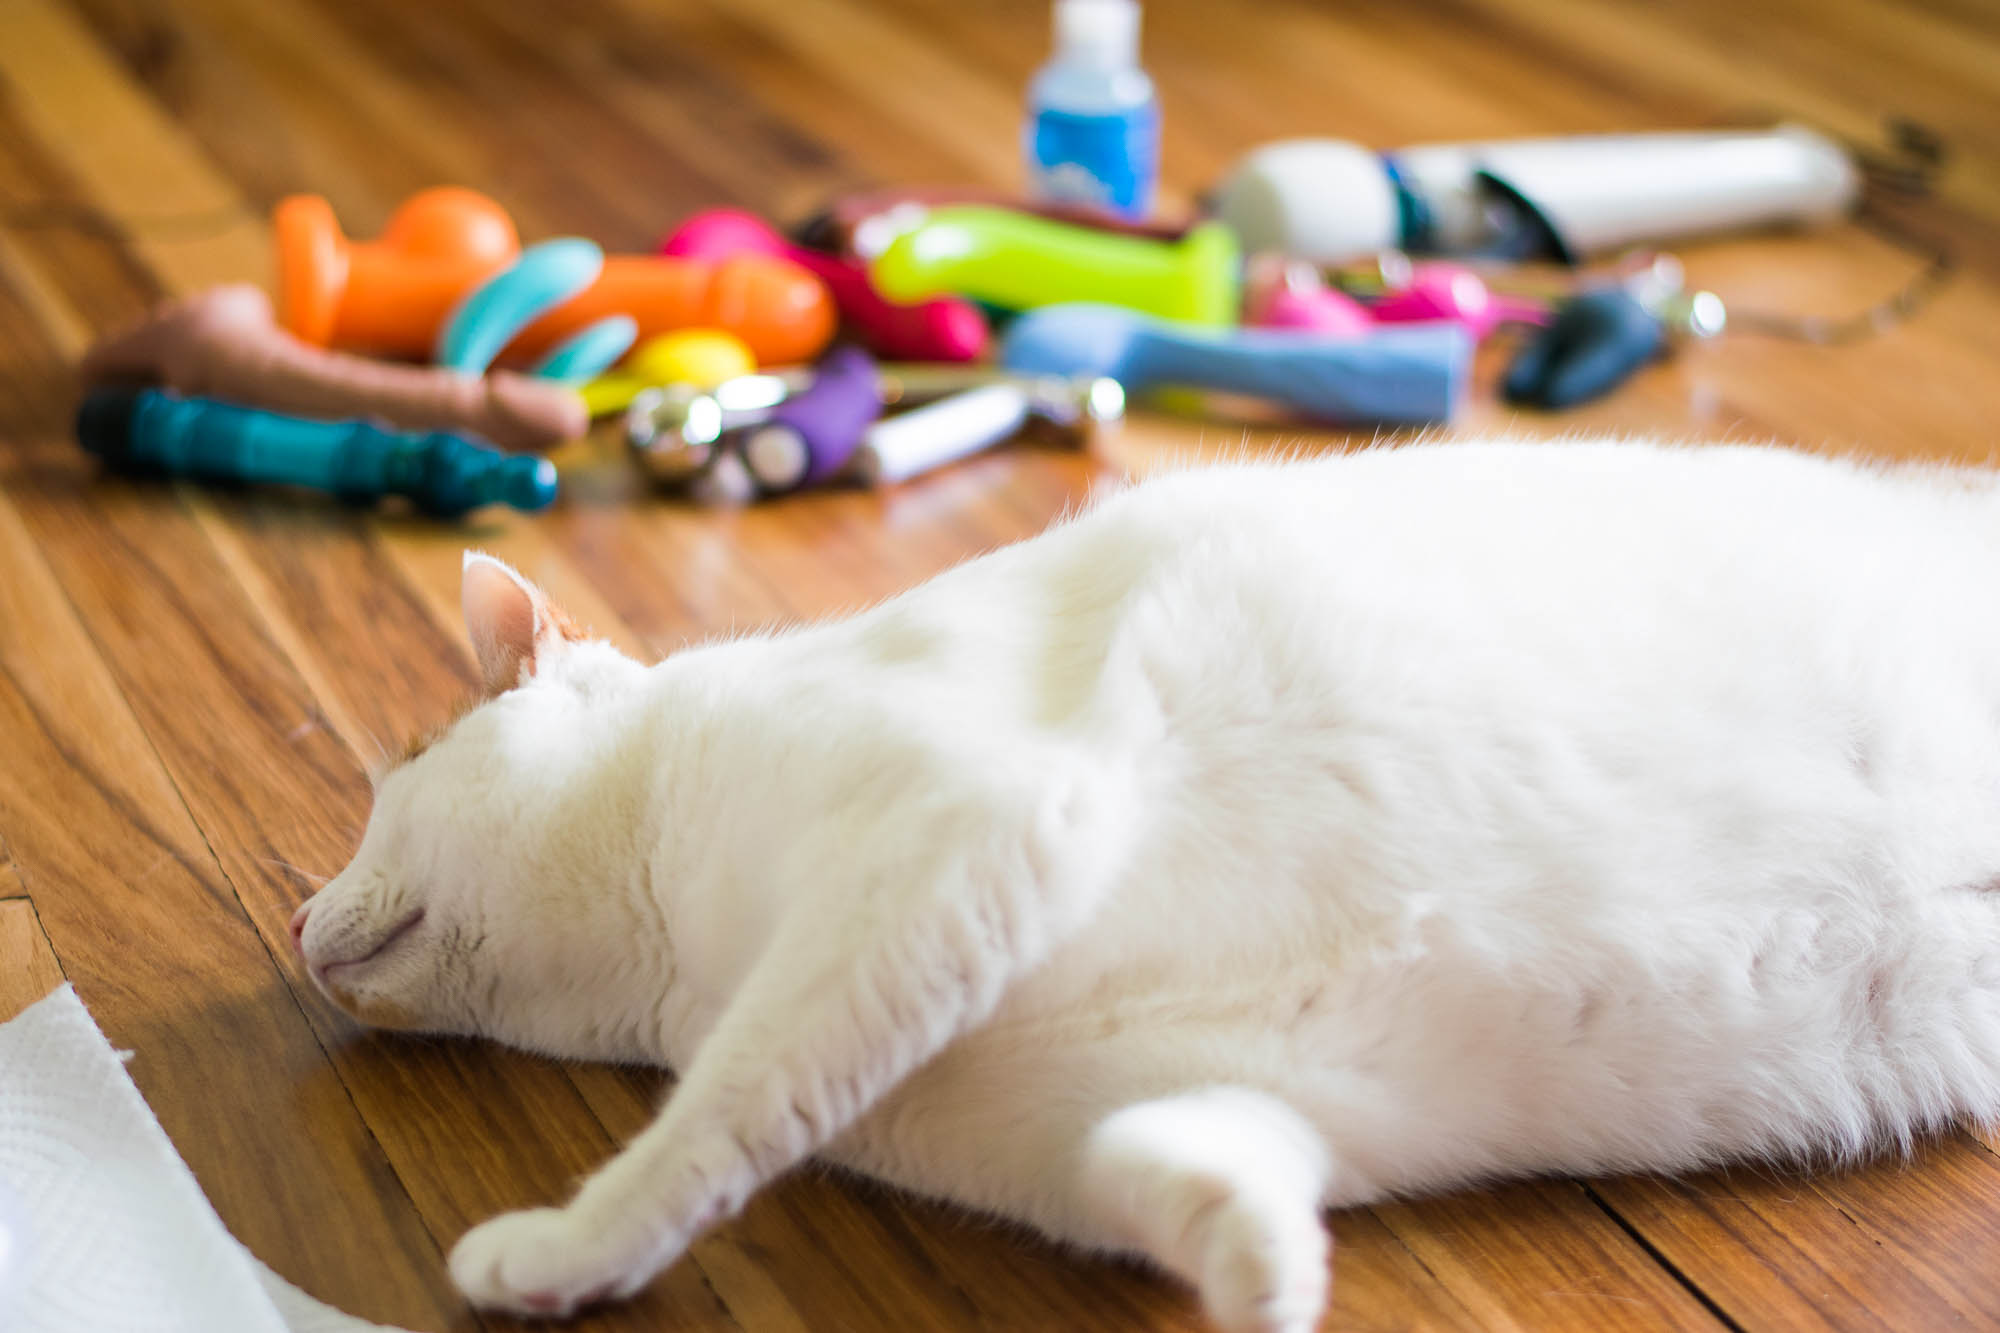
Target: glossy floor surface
[[192, 681]]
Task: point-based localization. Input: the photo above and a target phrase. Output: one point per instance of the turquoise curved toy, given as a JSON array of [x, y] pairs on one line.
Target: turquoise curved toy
[[590, 351], [487, 317]]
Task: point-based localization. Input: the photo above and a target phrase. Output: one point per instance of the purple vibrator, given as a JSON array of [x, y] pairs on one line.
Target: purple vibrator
[[811, 435]]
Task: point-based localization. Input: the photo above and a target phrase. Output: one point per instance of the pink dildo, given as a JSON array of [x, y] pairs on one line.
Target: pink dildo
[[225, 343], [1281, 294], [1454, 292], [944, 329]]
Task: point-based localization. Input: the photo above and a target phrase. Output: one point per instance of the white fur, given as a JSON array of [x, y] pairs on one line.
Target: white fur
[[1268, 838]]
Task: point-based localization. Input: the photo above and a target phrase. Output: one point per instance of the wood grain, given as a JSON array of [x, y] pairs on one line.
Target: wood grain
[[1855, 1249], [101, 838], [28, 966], [192, 683]]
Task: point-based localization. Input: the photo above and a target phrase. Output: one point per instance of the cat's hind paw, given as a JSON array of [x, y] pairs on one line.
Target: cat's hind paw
[[541, 1263], [1264, 1270], [1221, 1186]]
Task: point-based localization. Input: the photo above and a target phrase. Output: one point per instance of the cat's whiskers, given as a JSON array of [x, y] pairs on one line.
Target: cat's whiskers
[[317, 881], [378, 767]]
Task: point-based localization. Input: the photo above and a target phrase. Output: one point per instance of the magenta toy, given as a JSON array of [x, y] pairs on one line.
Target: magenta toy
[[1321, 310], [1281, 293], [1454, 292], [944, 329]]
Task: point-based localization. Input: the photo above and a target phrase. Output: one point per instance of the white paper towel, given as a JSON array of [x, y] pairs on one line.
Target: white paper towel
[[106, 1230]]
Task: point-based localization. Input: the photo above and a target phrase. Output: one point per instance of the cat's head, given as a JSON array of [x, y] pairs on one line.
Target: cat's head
[[485, 897]]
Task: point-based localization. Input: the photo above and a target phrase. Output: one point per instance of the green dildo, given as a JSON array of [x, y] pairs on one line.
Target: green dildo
[[153, 431], [1021, 261]]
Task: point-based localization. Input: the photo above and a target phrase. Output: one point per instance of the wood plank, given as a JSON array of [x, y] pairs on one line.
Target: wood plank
[[544, 1137], [469, 1130], [525, 1183], [381, 624], [760, 66], [1538, 1254], [125, 123], [760, 104], [150, 929], [1879, 1246], [28, 966], [899, 70]]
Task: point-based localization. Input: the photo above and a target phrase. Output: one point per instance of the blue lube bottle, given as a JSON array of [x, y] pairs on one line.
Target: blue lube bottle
[[1093, 130]]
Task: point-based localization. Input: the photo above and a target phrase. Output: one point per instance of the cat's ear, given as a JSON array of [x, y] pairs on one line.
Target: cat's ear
[[516, 631]]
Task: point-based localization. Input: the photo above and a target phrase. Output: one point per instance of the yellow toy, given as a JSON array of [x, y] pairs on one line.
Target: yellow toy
[[703, 358]]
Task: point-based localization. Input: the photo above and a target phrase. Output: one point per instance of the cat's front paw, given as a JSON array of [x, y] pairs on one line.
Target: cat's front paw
[[541, 1262]]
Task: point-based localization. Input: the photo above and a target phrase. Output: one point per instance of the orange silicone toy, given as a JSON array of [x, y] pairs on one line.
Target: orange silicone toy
[[391, 295], [783, 312]]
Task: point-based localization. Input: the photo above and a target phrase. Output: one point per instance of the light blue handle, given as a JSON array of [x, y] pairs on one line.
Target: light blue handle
[[487, 317], [1409, 373]]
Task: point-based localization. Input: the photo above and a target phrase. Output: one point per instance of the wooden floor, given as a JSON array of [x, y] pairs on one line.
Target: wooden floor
[[192, 681]]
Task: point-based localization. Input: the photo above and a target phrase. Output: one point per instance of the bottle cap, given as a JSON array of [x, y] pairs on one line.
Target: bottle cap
[[1098, 32]]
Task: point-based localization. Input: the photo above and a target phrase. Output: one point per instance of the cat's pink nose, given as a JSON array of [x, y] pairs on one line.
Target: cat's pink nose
[[299, 928]]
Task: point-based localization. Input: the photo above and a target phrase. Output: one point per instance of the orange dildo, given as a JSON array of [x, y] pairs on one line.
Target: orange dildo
[[223, 343], [393, 294], [390, 295], [780, 310]]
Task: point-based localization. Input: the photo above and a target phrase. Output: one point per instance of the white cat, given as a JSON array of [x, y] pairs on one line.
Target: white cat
[[1268, 839]]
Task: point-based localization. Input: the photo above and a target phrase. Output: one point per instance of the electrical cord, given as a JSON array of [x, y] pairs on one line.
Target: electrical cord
[[1907, 169]]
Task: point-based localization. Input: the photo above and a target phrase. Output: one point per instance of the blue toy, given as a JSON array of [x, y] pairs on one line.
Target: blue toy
[[152, 431], [1411, 373], [1598, 339]]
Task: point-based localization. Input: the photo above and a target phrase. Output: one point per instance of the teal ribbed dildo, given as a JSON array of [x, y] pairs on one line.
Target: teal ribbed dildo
[[153, 431]]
